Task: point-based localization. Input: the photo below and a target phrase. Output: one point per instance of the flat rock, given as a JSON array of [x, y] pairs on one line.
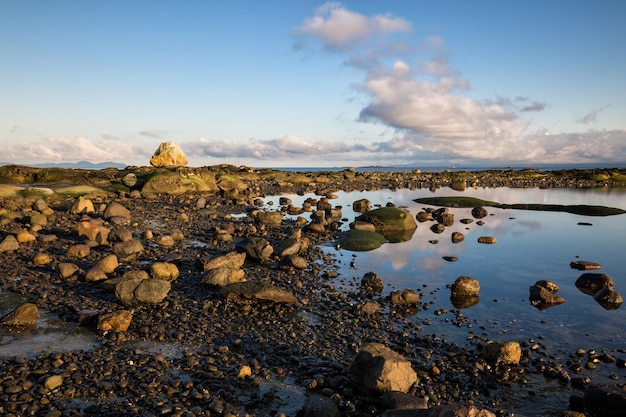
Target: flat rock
[[22, 316], [259, 290]]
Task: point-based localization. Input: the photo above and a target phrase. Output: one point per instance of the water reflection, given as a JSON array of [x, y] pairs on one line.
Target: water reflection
[[531, 246]]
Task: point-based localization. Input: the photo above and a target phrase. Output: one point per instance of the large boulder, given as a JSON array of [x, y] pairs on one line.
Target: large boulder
[[168, 155], [379, 368], [134, 292]]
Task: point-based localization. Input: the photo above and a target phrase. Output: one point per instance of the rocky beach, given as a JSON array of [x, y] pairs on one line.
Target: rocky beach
[[203, 299]]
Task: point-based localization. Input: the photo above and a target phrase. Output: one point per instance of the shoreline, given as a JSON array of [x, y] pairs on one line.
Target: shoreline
[[310, 344]]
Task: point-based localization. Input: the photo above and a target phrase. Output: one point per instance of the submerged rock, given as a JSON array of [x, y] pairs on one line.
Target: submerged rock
[[360, 240]]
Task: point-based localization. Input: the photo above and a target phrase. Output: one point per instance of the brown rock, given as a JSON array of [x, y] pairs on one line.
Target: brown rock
[[117, 321], [465, 286], [24, 315], [379, 368]]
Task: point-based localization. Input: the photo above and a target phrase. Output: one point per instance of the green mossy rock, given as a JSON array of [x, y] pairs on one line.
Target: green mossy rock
[[388, 219], [361, 240]]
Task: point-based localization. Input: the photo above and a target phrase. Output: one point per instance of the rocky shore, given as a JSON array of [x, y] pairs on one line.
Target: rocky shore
[[205, 300]]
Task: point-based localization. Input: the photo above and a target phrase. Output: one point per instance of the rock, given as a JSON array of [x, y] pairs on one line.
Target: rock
[[130, 180], [258, 290], [20, 317], [452, 410], [379, 368], [359, 225], [244, 372], [128, 251], [24, 236], [67, 269], [368, 308], [231, 186], [53, 382], [543, 295], [42, 259], [459, 185], [233, 260], [590, 283], [164, 182], [114, 209], [319, 406], [438, 228], [361, 206], [388, 219], [457, 237], [223, 275], [423, 216], [465, 286], [404, 297], [609, 299], [78, 251], [585, 265], [372, 283], [82, 205], [168, 155], [257, 248], [479, 212], [502, 353], [93, 231], [108, 264], [137, 291], [360, 240], [164, 270], [95, 274], [605, 401], [165, 241], [446, 219], [402, 401], [286, 247], [9, 244], [270, 218], [295, 261], [489, 240], [117, 321]]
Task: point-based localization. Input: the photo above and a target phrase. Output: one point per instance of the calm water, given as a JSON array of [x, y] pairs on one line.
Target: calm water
[[530, 246]]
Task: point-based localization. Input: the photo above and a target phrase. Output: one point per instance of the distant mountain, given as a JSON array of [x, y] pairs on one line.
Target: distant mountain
[[74, 165]]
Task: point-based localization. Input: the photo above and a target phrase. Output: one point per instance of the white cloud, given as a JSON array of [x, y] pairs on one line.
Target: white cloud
[[288, 146], [340, 29], [434, 108], [55, 150]]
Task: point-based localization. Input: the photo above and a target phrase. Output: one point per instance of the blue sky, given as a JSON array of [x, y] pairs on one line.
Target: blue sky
[[305, 83]]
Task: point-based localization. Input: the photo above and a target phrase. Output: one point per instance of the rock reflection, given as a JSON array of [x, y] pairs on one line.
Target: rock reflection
[[464, 301]]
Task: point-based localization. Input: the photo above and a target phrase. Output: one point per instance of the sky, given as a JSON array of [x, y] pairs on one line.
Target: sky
[[314, 84]]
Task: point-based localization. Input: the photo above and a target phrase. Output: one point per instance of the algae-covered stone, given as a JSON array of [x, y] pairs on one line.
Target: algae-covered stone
[[361, 240], [388, 219]]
